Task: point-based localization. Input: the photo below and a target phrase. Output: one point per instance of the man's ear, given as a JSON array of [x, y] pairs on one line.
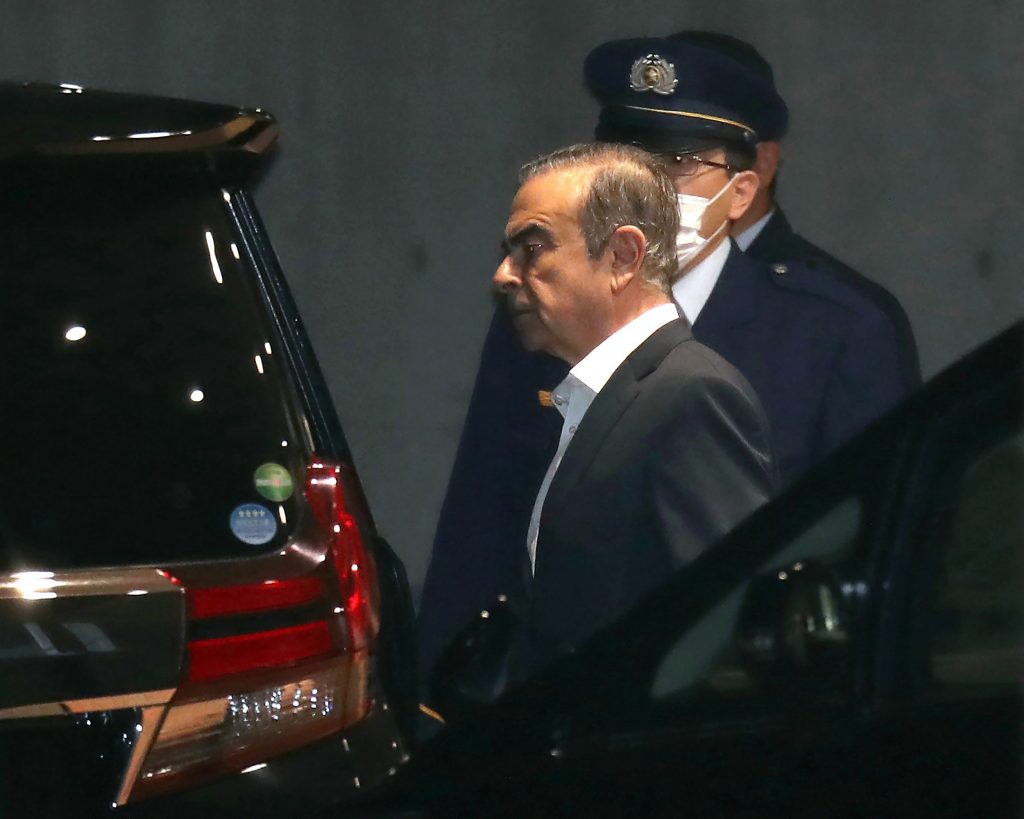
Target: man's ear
[[745, 185], [626, 248], [766, 165]]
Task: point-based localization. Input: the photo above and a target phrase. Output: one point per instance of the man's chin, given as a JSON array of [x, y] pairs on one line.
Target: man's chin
[[526, 329], [530, 343]]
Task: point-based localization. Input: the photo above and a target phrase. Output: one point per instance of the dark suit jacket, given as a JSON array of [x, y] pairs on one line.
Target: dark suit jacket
[[673, 453], [824, 357]]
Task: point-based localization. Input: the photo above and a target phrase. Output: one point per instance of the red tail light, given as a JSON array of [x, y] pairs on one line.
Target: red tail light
[[253, 597], [326, 496], [279, 647], [221, 656], [287, 660]]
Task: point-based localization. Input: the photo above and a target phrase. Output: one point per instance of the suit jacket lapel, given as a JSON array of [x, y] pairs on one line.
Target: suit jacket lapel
[[608, 406]]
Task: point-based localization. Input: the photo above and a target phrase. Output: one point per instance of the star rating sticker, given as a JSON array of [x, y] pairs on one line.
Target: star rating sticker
[[253, 513]]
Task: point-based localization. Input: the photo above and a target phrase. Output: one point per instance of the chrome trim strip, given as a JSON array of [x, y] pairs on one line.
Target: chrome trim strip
[[43, 585], [141, 699], [149, 727]]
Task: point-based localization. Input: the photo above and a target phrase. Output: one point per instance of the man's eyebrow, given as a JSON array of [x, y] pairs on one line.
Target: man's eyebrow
[[523, 235]]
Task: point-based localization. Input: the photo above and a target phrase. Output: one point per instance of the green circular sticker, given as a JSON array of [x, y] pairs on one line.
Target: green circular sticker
[[273, 482]]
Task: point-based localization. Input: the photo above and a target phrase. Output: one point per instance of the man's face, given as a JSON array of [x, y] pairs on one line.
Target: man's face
[[695, 179], [559, 297]]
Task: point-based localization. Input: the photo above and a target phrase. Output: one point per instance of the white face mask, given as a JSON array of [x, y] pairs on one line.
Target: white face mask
[[689, 242]]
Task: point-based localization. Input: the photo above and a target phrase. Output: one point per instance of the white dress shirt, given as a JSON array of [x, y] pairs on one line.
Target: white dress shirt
[[692, 289], [746, 238], [573, 397]]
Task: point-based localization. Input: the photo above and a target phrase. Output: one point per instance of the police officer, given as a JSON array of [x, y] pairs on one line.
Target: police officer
[[763, 231], [825, 356]]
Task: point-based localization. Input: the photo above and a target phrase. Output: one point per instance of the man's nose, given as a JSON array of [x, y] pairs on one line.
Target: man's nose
[[505, 277]]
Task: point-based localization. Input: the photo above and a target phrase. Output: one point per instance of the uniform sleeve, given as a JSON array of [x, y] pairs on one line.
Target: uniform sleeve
[[713, 466], [869, 377], [905, 343], [480, 540]]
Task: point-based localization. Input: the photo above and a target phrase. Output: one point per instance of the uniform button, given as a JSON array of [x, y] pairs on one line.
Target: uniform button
[[559, 400], [572, 430], [780, 269]]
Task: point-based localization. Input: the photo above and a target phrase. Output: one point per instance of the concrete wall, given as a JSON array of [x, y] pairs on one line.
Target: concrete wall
[[403, 125]]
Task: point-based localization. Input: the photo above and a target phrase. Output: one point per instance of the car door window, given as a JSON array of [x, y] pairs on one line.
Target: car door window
[[709, 653], [977, 612]]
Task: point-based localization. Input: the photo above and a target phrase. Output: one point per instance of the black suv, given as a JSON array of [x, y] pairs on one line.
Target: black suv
[[192, 590]]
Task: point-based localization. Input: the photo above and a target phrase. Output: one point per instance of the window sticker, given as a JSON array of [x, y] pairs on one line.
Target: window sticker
[[273, 482], [253, 524]]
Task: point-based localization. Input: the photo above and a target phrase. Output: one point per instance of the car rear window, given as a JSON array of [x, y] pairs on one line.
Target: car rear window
[[147, 411]]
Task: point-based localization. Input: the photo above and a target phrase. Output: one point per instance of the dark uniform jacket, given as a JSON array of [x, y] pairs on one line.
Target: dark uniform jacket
[[824, 355], [778, 242]]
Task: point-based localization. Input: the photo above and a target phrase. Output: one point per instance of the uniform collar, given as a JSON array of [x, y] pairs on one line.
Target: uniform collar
[[692, 290], [774, 242], [745, 239], [737, 298]]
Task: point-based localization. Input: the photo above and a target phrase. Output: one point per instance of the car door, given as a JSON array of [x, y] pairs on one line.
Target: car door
[[872, 663], [946, 730]]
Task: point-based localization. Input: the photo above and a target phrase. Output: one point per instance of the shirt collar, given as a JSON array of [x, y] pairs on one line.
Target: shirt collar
[[746, 238], [692, 290], [597, 366]]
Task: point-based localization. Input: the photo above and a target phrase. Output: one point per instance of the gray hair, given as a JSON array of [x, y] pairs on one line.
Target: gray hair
[[627, 187]]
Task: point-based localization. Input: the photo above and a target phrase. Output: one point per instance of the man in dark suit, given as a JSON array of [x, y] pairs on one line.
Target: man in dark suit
[[663, 446], [823, 356]]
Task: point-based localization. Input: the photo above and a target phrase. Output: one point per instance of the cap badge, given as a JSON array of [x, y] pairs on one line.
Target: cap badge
[[653, 73]]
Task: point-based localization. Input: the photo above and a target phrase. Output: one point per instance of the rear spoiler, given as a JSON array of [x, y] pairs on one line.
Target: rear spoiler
[[50, 121]]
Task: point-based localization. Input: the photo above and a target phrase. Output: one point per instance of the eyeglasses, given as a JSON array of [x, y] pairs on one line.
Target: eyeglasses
[[680, 164]]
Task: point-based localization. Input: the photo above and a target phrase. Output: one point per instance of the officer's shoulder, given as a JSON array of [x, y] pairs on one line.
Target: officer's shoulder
[[856, 286], [816, 281]]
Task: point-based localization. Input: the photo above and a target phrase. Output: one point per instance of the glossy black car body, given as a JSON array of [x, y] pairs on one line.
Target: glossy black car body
[[855, 649], [195, 606]]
